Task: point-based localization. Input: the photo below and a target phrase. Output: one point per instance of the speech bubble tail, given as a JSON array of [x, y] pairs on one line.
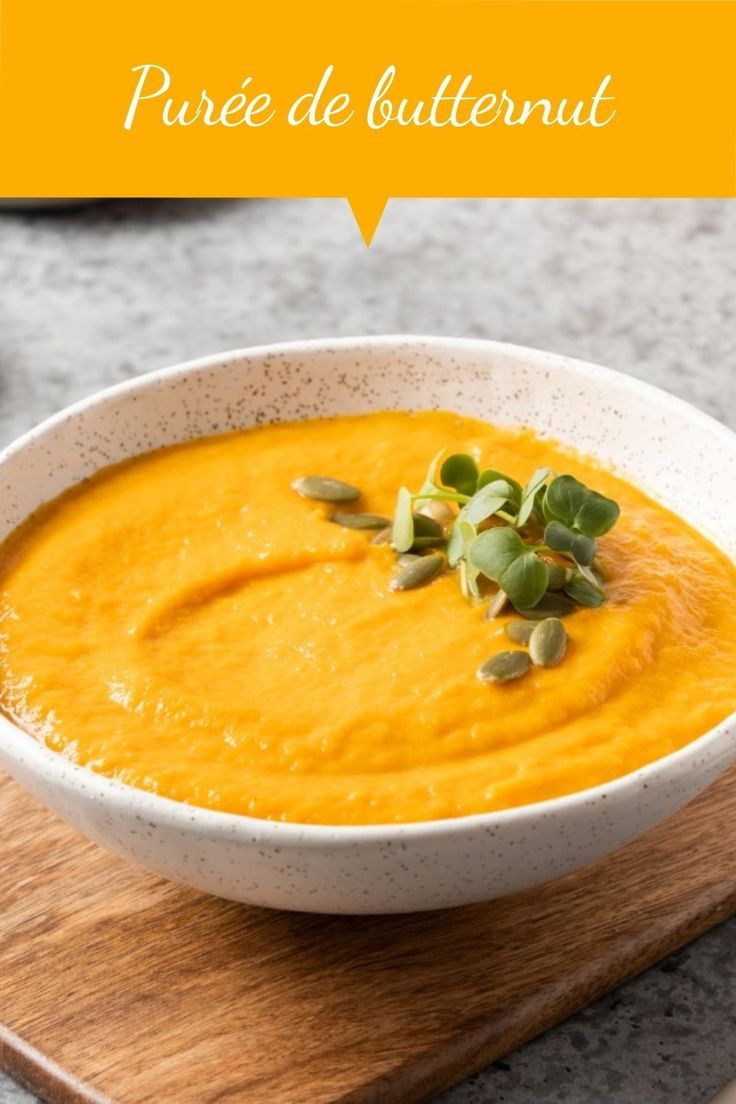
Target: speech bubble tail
[[367, 211]]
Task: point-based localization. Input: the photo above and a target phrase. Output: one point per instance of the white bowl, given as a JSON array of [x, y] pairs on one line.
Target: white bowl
[[687, 460]]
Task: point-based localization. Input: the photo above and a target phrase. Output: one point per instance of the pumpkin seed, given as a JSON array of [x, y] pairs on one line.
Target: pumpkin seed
[[385, 536], [497, 605], [325, 489], [421, 543], [548, 643], [559, 576], [427, 527], [407, 558], [361, 521], [439, 511], [520, 631], [550, 605], [419, 572], [504, 666]]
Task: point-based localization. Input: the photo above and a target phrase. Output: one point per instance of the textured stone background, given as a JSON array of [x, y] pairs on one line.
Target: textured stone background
[[91, 297]]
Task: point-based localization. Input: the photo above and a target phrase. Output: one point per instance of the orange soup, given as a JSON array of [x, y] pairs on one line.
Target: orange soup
[[185, 622]]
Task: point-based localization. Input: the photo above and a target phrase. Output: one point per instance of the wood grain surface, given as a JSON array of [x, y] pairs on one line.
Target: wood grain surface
[[116, 986]]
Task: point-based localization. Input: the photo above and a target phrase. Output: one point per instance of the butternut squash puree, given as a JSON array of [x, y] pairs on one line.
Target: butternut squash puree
[[185, 622]]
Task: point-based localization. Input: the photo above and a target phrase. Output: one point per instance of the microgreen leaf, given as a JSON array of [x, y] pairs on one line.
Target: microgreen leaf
[[565, 496], [525, 581], [491, 476], [460, 472], [593, 577], [495, 550], [403, 527], [559, 537], [430, 484], [503, 557], [529, 494], [568, 514], [568, 501], [585, 592], [564, 540], [584, 550], [455, 545], [598, 515], [469, 572], [487, 500]]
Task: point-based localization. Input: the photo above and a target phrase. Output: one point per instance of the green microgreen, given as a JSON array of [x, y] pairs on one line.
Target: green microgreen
[[456, 544], [585, 592], [537, 542], [503, 557], [460, 473], [561, 539], [403, 528], [431, 485], [490, 475], [569, 501], [469, 571], [528, 498], [502, 530], [486, 502]]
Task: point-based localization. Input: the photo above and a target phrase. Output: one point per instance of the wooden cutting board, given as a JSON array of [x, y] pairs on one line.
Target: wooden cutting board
[[116, 986]]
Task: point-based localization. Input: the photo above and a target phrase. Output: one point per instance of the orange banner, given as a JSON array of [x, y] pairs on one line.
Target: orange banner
[[368, 100]]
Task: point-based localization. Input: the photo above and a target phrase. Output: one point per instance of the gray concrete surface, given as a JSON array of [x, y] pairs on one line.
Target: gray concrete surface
[[95, 296]]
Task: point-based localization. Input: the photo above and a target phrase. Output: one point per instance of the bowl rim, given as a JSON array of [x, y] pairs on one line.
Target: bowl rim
[[123, 797]]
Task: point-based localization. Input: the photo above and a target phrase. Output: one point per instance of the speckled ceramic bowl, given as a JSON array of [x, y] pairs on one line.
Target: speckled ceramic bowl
[[663, 443]]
